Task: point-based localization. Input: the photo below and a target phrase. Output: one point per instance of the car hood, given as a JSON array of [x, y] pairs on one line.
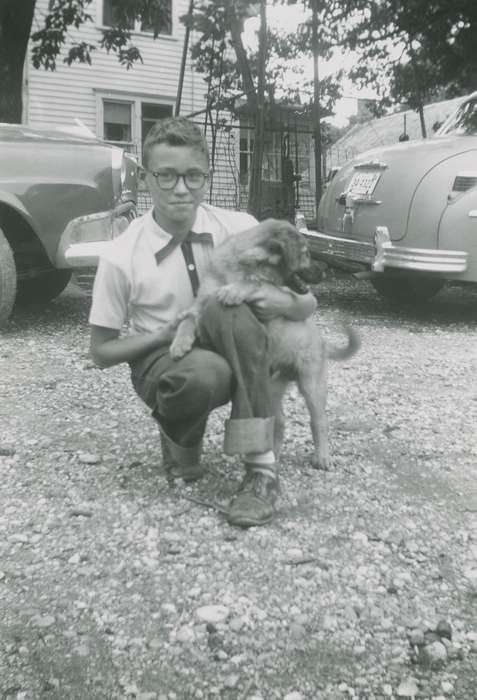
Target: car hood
[[17, 133], [400, 171]]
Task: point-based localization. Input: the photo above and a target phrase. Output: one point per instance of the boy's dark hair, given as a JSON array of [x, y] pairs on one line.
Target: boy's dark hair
[[175, 131]]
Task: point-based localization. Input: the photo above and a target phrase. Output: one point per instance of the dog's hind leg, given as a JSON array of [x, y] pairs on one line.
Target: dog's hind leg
[[278, 387], [312, 386]]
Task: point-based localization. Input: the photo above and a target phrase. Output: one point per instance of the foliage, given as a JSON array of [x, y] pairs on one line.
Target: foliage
[[411, 51], [408, 52], [64, 15], [215, 56]]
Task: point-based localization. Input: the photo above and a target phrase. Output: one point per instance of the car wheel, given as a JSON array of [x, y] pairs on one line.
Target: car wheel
[[407, 289], [42, 288], [8, 279]]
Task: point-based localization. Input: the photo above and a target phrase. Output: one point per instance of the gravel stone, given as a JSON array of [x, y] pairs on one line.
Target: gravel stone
[[213, 614], [434, 654], [408, 688]]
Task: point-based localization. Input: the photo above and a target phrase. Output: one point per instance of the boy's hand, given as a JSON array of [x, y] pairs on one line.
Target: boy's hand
[[268, 302]]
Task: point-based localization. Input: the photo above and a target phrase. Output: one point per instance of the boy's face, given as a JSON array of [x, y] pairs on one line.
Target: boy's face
[[175, 209]]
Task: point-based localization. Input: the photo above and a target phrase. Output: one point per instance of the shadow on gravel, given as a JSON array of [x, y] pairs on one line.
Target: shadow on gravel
[[355, 299], [70, 308], [454, 305]]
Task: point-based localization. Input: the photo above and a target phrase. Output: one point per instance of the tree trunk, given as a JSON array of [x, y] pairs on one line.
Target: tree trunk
[[255, 190], [316, 108], [15, 25], [418, 89], [236, 28], [422, 120]]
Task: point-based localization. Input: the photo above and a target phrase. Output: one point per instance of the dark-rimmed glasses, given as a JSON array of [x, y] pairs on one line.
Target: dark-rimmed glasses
[[168, 179]]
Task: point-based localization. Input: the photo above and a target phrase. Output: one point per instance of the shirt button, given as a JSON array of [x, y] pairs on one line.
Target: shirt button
[[191, 267]]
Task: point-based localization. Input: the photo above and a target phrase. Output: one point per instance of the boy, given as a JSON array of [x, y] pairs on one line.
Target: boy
[[148, 276]]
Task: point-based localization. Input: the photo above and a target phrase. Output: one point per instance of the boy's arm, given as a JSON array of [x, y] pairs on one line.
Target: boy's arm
[[107, 348], [268, 302], [108, 314]]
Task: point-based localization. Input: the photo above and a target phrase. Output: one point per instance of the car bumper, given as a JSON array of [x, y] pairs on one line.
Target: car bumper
[[384, 254], [85, 237]]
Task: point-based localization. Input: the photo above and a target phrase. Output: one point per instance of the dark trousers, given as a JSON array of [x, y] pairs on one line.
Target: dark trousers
[[230, 363]]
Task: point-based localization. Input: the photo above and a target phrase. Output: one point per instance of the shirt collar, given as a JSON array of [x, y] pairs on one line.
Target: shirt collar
[[155, 234], [158, 237]]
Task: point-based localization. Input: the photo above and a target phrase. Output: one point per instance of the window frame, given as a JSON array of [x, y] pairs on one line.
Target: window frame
[[132, 116], [137, 25], [135, 100]]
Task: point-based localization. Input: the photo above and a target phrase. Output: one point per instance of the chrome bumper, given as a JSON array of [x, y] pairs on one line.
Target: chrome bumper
[[384, 254], [84, 239]]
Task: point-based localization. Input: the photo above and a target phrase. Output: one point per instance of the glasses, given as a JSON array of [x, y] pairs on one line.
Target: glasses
[[168, 179]]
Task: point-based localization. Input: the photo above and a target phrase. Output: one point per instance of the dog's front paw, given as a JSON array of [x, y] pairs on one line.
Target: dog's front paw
[[184, 338], [182, 343], [231, 295], [180, 347]]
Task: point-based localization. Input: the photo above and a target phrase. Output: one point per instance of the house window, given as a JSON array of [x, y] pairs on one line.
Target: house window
[[125, 120], [271, 163], [159, 12], [117, 121], [246, 150], [110, 14]]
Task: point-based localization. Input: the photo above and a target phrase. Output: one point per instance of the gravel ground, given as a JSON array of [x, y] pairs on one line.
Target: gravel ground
[[114, 585]]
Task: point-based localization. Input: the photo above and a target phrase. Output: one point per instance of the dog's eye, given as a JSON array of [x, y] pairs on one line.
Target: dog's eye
[[275, 247]]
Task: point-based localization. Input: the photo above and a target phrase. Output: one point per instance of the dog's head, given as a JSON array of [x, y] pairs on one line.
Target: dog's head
[[275, 243], [280, 246]]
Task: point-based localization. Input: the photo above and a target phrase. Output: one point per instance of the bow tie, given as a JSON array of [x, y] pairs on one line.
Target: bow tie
[[203, 238]]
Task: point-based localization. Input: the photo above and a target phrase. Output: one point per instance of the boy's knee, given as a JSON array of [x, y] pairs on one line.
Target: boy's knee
[[213, 373], [204, 379]]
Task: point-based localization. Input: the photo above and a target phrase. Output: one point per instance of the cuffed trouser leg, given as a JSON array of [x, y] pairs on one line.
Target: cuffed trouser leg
[[181, 394], [237, 335]]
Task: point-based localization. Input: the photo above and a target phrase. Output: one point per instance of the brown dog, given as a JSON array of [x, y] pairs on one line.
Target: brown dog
[[273, 255]]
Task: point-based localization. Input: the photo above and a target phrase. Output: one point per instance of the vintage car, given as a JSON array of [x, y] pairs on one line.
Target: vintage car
[[405, 215], [61, 196]]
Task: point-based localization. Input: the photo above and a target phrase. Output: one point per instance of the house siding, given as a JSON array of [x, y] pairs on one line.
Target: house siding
[[76, 92], [57, 98]]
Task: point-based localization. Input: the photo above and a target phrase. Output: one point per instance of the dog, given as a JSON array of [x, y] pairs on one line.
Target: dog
[[273, 254]]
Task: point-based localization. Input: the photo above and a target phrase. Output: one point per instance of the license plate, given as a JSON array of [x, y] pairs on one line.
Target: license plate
[[363, 184]]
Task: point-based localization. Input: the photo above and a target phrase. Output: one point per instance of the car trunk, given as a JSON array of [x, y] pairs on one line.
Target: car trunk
[[385, 185]]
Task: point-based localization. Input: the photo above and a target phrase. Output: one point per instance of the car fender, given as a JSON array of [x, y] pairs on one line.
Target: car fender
[[13, 202], [458, 225], [432, 198]]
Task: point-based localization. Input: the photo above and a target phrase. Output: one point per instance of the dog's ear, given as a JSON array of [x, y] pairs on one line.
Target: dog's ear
[[255, 254], [288, 248]]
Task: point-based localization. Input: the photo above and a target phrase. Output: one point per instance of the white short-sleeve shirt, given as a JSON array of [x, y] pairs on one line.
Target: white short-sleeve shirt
[[130, 286]]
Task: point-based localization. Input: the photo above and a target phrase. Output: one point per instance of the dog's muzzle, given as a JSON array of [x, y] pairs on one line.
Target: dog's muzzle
[[296, 283]]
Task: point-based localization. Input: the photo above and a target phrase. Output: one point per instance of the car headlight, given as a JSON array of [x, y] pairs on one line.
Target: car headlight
[[128, 171]]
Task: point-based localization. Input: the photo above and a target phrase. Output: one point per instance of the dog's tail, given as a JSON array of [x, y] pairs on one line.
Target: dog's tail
[[343, 353]]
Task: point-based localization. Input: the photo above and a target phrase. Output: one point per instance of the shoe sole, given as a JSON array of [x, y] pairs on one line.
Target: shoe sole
[[249, 522]]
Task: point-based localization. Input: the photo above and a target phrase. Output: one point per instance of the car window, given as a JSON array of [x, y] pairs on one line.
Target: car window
[[463, 121]]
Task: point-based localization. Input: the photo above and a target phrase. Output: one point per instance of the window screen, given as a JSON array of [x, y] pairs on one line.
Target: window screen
[[117, 121]]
